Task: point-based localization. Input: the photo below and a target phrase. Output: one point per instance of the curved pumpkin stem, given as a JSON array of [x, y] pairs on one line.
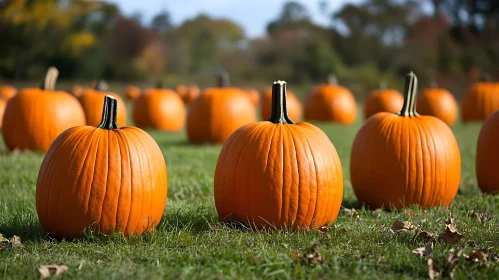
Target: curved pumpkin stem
[[410, 92], [331, 80], [223, 79], [50, 79], [101, 85], [279, 107], [109, 113]]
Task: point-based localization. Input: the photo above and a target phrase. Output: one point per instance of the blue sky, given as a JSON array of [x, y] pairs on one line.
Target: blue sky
[[252, 15]]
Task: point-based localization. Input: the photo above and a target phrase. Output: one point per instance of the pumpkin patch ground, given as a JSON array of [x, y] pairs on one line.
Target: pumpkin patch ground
[[191, 241]]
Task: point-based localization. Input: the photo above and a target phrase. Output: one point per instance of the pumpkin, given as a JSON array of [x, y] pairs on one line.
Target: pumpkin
[[35, 117], [7, 92], [330, 102], [104, 178], [383, 100], [487, 155], [188, 93], [76, 90], [405, 158], [159, 108], [253, 95], [92, 101], [279, 174], [438, 102], [132, 92], [3, 103], [481, 100], [294, 105], [218, 112]]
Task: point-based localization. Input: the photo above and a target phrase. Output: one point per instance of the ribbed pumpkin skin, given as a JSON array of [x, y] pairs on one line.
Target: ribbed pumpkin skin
[[132, 92], [439, 103], [331, 103], [487, 155], [160, 109], [92, 102], [279, 175], [399, 161], [111, 180], [383, 100], [217, 113], [34, 118], [480, 101], [7, 92], [3, 103], [294, 105]]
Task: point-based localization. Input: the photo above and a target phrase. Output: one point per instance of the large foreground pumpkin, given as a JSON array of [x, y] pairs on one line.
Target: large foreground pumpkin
[[7, 92], [383, 100], [35, 117], [330, 102], [159, 108], [277, 174], [106, 178], [487, 155], [404, 159], [218, 112], [92, 101], [294, 105], [480, 101], [438, 102]]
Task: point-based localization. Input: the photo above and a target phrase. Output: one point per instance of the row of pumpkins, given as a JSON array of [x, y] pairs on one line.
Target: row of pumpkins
[[270, 175]]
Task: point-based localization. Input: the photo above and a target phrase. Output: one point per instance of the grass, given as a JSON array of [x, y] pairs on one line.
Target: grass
[[191, 242]]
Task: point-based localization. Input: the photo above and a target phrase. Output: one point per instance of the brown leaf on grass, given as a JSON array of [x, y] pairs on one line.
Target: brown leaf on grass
[[343, 229], [421, 234], [410, 213], [378, 212], [433, 269], [350, 212], [310, 257], [3, 239], [15, 242], [47, 271], [450, 235], [478, 256], [401, 226], [452, 262], [479, 216], [423, 251]]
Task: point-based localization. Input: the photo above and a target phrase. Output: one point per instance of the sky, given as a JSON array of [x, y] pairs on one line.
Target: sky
[[252, 15]]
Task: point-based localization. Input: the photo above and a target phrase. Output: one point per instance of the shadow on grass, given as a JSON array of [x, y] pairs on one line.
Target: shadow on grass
[[352, 204], [197, 220], [27, 231]]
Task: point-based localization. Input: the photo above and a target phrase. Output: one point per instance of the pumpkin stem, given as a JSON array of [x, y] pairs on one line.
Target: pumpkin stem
[[101, 85], [331, 80], [223, 79], [109, 113], [383, 85], [50, 78], [410, 92], [279, 107]]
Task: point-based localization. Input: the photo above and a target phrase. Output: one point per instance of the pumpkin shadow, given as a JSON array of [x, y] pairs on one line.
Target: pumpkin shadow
[[194, 222], [353, 204], [26, 230]]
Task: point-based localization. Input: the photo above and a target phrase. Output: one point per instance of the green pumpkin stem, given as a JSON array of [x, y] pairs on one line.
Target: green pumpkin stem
[[410, 92], [331, 80], [109, 113], [279, 107], [50, 79], [101, 85], [223, 79]]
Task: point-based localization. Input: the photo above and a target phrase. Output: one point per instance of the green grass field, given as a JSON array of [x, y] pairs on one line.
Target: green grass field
[[191, 242]]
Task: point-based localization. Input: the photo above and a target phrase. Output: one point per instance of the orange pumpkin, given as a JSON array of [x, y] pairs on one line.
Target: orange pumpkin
[[218, 112], [106, 178], [403, 159], [132, 92], [7, 92], [438, 102], [92, 100], [188, 93], [279, 174], [253, 95], [487, 155], [330, 102], [159, 109], [481, 100], [35, 117], [3, 103], [294, 106], [383, 100], [76, 90]]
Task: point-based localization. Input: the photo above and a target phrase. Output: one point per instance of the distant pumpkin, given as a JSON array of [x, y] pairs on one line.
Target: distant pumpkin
[[330, 102], [188, 93], [105, 178], [35, 117], [76, 90], [253, 95], [92, 101], [438, 102], [132, 92], [487, 155], [383, 100], [7, 92], [480, 101], [293, 105]]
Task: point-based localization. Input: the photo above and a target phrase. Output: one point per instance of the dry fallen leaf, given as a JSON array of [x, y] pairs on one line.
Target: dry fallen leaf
[[410, 213], [47, 271], [378, 212], [452, 262], [350, 212], [433, 269], [423, 251], [479, 216], [15, 242], [400, 226], [478, 256], [450, 235], [3, 239], [310, 257], [424, 235]]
